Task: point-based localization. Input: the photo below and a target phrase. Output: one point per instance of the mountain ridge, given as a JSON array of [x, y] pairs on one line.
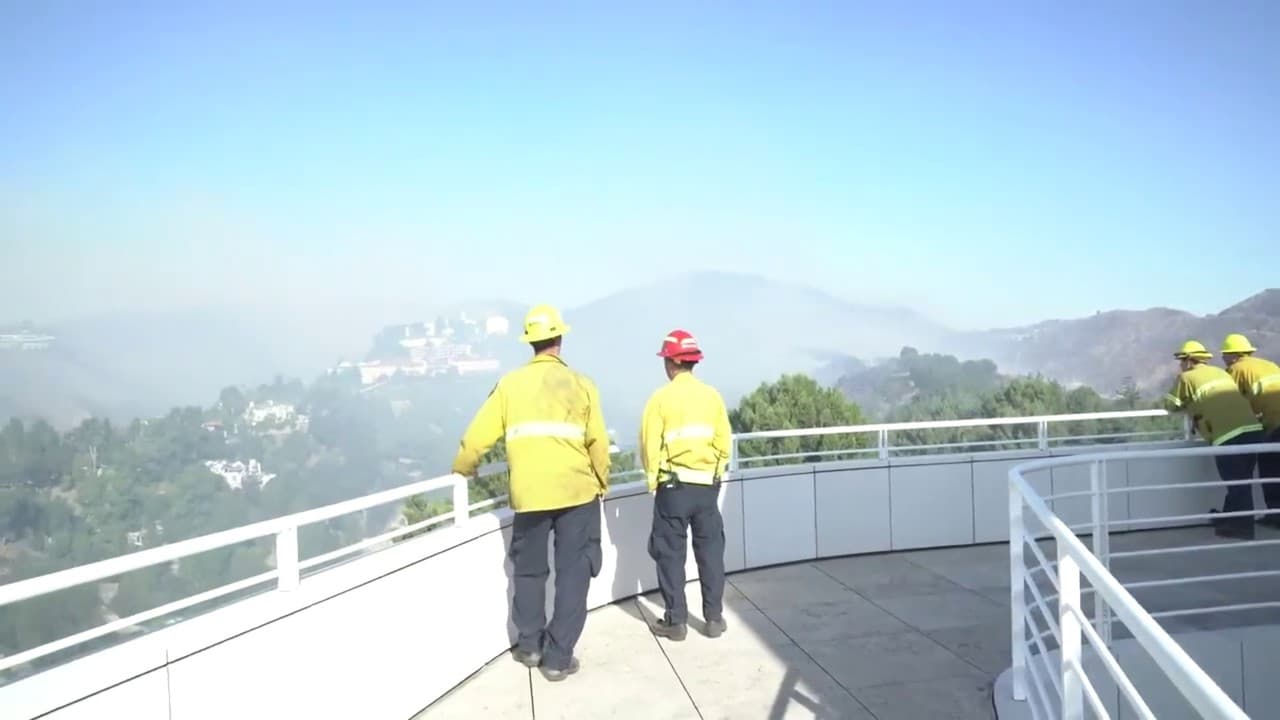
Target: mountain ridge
[[1104, 349], [752, 328]]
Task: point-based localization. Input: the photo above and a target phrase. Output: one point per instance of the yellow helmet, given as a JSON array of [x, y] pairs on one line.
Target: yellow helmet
[[543, 323], [1193, 349], [1237, 343]]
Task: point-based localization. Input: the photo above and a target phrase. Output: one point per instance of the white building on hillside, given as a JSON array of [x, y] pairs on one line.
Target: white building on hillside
[[261, 412], [496, 325], [234, 473]]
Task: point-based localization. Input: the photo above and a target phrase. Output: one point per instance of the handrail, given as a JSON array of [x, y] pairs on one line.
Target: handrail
[[111, 567], [947, 424], [1074, 559]]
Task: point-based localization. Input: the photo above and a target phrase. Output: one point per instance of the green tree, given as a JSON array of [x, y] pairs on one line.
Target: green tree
[[232, 402], [1128, 394], [796, 401]]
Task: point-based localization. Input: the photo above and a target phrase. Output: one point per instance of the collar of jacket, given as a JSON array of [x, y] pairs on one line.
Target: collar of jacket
[[547, 359]]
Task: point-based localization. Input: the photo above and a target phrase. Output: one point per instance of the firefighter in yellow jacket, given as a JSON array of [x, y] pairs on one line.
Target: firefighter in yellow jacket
[[1259, 381], [684, 448], [1222, 417], [558, 459]]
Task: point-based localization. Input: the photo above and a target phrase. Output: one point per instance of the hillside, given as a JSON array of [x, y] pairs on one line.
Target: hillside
[[1104, 349], [125, 364], [142, 363], [752, 330], [60, 387], [898, 382]]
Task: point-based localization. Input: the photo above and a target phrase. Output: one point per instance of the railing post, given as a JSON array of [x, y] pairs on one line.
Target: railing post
[[288, 574], [733, 454], [1069, 623], [461, 502], [1042, 435], [882, 444], [1187, 427], [1017, 586], [1101, 541]]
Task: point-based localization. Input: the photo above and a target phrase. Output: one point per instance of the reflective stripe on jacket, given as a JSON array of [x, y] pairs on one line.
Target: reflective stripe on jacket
[[556, 440], [1213, 399], [1259, 380], [685, 430]]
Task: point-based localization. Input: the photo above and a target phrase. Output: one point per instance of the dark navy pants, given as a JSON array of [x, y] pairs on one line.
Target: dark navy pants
[[676, 509], [577, 558], [1239, 467], [1269, 467]]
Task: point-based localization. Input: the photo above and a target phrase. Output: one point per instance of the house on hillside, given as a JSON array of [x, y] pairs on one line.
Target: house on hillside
[[25, 341], [281, 418], [261, 412], [496, 325], [235, 473]]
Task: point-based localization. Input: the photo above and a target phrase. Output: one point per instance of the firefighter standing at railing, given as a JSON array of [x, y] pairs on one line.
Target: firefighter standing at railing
[[558, 458], [684, 449], [1259, 381], [1222, 417]]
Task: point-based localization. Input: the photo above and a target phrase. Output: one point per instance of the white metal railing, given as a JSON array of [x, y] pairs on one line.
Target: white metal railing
[[883, 447], [1067, 686], [289, 568]]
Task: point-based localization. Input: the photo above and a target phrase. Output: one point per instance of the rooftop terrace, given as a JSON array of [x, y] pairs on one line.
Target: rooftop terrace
[[917, 635], [881, 586]]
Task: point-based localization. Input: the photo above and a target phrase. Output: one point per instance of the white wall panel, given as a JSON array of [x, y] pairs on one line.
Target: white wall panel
[[374, 637], [1075, 510], [853, 511], [991, 496], [1165, 503], [145, 698], [778, 513], [932, 505], [735, 547]]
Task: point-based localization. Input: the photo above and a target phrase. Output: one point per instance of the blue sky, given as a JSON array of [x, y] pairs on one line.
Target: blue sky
[[987, 163]]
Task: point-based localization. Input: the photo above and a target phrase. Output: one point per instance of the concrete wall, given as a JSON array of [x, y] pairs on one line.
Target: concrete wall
[[386, 634]]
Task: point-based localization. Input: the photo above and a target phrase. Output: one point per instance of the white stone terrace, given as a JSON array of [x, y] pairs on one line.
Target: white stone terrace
[[914, 635]]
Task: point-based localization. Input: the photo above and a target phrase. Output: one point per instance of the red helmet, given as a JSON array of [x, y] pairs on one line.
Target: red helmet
[[680, 345]]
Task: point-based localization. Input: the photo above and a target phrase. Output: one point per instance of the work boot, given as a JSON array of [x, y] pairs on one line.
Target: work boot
[[554, 675], [662, 628], [1271, 521], [528, 658], [715, 628], [1236, 528]]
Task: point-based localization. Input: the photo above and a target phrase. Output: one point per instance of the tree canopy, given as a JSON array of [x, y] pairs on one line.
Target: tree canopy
[[795, 401]]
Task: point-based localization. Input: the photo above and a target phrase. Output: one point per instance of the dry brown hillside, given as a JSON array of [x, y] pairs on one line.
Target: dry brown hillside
[[1104, 349]]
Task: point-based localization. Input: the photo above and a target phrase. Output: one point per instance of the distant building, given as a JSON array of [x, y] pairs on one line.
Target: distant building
[[234, 473], [25, 341], [471, 367], [260, 412], [496, 325]]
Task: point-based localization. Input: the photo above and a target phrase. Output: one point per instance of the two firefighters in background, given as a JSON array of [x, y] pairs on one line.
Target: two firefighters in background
[[1236, 406]]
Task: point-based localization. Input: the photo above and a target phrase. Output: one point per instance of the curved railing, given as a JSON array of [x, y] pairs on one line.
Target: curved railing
[[402, 581], [1049, 655]]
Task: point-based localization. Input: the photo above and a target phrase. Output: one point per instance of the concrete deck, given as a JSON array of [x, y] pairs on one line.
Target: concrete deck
[[897, 636]]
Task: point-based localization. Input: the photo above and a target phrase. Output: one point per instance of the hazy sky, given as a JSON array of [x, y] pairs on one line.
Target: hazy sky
[[989, 165]]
